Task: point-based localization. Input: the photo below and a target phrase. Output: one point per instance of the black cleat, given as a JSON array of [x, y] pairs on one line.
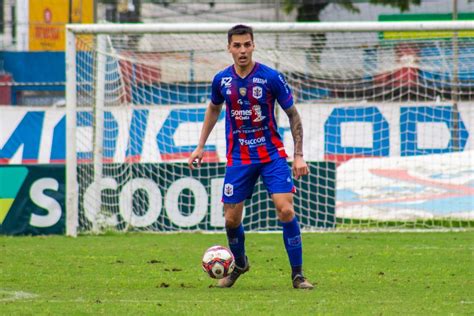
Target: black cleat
[[229, 280], [300, 282]]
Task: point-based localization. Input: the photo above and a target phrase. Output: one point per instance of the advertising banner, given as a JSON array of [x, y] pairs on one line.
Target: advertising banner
[[157, 134], [32, 199], [461, 16]]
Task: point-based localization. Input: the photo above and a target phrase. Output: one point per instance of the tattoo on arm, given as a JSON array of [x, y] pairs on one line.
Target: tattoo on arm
[[296, 129]]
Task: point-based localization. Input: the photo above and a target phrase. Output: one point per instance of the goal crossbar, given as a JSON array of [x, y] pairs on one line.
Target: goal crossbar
[[272, 27]]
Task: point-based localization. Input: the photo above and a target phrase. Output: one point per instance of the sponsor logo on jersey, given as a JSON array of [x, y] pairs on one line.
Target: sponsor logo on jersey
[[257, 92], [259, 80], [242, 102], [243, 91], [253, 142], [258, 112], [225, 81], [241, 115], [284, 83], [245, 130], [228, 189]]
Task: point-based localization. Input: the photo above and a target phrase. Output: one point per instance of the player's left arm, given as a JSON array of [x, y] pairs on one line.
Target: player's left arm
[[300, 168]]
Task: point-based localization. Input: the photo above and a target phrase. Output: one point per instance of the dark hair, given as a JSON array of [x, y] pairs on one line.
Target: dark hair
[[239, 29]]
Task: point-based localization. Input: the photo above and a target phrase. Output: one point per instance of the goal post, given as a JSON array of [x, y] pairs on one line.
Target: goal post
[[387, 110]]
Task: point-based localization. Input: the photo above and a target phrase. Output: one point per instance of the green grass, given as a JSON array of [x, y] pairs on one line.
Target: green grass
[[152, 274], [351, 224]]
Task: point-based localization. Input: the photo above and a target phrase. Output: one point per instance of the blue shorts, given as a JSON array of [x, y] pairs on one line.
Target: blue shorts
[[239, 181]]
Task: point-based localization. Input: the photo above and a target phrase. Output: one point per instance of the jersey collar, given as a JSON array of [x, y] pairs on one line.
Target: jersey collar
[[254, 69]]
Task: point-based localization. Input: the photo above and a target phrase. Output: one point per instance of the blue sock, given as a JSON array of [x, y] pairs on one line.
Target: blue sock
[[236, 239], [292, 240]]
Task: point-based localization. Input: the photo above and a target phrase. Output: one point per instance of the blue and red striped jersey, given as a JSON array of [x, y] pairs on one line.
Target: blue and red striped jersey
[[251, 128]]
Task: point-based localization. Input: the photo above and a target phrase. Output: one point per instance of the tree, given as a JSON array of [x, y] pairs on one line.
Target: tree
[[309, 11], [118, 11]]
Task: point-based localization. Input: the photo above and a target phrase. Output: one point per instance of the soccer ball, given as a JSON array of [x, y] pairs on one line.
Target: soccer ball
[[218, 262]]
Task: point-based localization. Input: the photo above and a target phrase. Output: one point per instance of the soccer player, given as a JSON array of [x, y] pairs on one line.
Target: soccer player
[[255, 148]]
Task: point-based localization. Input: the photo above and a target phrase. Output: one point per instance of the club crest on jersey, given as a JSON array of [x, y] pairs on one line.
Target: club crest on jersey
[[243, 91], [258, 112], [225, 81], [257, 92], [228, 189]]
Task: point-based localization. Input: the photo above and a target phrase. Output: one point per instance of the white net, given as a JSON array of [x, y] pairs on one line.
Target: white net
[[386, 117]]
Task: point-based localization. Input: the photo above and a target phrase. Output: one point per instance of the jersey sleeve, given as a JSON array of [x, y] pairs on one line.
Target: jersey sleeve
[[282, 91], [216, 95]]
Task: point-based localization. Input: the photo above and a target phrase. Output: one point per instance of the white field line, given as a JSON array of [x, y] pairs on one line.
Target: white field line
[[15, 296], [129, 301], [19, 295]]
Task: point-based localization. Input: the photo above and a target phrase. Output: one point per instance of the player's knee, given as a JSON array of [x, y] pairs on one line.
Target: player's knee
[[233, 215], [286, 213], [232, 222]]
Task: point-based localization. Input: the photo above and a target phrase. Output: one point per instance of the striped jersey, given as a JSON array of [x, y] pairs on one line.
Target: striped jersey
[[251, 128]]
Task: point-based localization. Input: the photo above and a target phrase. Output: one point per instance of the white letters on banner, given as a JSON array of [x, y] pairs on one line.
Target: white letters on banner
[[155, 134]]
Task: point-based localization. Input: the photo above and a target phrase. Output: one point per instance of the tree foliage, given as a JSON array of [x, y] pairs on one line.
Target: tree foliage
[[309, 10]]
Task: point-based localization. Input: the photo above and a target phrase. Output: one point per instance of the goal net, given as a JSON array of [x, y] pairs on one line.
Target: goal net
[[386, 108]]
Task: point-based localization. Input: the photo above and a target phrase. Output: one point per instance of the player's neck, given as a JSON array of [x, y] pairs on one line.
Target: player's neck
[[243, 72]]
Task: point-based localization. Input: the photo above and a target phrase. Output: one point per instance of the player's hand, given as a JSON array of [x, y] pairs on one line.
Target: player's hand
[[300, 168], [195, 159]]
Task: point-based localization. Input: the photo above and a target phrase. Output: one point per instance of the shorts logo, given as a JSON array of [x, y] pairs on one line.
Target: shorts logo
[[243, 91], [228, 91], [228, 189], [257, 92], [288, 179]]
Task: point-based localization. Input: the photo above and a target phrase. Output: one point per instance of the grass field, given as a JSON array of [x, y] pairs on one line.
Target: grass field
[[151, 274]]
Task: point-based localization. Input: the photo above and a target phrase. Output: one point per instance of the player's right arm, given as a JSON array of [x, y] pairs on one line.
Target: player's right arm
[[210, 119]]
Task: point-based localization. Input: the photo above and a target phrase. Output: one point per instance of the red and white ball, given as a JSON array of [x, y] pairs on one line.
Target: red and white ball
[[218, 262]]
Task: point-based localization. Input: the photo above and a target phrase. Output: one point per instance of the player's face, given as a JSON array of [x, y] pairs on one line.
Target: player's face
[[241, 47]]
